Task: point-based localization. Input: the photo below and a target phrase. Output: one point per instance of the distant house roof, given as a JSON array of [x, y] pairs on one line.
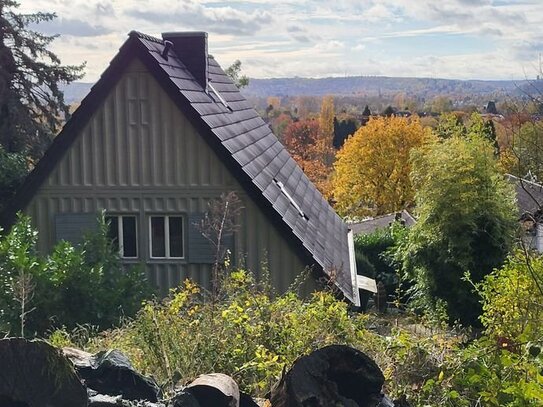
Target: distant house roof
[[529, 196], [235, 131], [371, 225]]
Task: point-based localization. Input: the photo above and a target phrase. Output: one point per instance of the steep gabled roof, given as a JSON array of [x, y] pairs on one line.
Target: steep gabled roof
[[240, 137]]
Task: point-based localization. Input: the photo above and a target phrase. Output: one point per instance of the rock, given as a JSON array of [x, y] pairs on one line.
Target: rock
[[111, 373], [36, 374], [386, 402], [102, 400], [183, 399], [333, 375], [215, 390]]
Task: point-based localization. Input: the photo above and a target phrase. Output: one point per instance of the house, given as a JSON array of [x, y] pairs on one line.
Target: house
[[161, 133], [529, 202], [370, 225]]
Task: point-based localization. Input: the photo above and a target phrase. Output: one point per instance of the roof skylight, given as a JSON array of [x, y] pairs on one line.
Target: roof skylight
[[289, 197], [218, 96]]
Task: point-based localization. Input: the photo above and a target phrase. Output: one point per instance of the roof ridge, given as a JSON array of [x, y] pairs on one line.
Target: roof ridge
[[144, 36]]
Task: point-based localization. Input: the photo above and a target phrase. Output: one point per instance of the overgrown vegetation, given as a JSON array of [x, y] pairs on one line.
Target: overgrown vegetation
[[70, 286], [254, 336]]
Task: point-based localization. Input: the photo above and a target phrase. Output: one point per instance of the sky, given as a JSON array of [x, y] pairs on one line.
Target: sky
[[457, 39]]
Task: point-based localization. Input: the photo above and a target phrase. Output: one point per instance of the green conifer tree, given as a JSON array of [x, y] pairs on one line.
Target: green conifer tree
[[31, 103]]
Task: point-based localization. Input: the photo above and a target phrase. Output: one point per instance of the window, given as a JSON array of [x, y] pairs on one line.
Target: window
[[124, 235], [166, 237]]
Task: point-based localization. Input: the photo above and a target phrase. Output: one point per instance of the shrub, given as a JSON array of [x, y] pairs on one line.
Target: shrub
[[254, 337], [68, 287], [246, 334], [512, 299], [377, 248]]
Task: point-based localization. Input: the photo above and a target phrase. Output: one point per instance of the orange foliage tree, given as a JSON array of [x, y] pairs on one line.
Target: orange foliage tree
[[372, 169], [304, 143]]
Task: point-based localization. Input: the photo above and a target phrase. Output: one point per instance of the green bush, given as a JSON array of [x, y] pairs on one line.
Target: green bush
[[68, 287], [466, 223], [512, 298], [377, 248]]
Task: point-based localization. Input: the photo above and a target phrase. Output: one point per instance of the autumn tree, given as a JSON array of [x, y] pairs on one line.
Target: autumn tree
[[279, 125], [326, 131], [466, 223], [302, 140], [31, 102], [326, 118], [372, 169]]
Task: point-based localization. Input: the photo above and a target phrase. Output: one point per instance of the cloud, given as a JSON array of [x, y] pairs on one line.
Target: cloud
[[104, 9], [302, 38], [221, 20], [295, 29], [72, 27], [451, 38]]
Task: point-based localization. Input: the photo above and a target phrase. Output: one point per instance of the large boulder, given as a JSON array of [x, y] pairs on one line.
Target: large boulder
[[111, 373], [36, 374]]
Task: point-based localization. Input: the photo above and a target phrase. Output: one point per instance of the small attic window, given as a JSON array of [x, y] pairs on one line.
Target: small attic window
[[289, 197], [219, 96]]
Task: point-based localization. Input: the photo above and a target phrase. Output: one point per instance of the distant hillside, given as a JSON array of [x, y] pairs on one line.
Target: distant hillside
[[376, 86], [354, 85], [76, 91]]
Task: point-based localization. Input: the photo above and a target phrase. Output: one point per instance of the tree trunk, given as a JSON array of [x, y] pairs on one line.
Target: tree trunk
[[334, 375], [35, 374], [215, 389]]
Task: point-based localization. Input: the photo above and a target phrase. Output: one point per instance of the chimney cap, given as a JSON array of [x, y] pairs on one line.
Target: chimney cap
[[181, 34]]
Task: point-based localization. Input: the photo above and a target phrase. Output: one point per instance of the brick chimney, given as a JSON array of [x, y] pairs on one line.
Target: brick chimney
[[191, 49]]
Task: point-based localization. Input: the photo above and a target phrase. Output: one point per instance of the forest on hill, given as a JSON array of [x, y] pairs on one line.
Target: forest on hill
[[355, 85]]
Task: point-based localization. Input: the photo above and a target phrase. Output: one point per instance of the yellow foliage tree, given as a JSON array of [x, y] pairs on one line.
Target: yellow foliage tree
[[326, 131], [372, 169]]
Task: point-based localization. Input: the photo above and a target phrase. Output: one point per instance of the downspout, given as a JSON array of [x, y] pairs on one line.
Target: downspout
[[352, 265]]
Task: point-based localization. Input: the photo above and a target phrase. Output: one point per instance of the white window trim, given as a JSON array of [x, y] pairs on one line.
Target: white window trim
[[120, 232], [166, 236]]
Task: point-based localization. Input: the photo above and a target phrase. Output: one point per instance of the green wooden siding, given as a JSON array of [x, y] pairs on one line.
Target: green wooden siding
[[139, 155]]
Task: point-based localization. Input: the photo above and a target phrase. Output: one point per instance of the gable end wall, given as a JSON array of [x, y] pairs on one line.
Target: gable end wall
[[139, 155]]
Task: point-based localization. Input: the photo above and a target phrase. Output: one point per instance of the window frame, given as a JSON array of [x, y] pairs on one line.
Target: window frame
[[166, 218], [120, 233]]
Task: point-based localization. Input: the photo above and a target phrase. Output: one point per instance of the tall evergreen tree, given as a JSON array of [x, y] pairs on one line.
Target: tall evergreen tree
[[31, 102]]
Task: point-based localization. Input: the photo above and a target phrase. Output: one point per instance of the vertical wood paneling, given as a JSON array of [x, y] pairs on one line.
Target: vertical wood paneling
[[136, 142]]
